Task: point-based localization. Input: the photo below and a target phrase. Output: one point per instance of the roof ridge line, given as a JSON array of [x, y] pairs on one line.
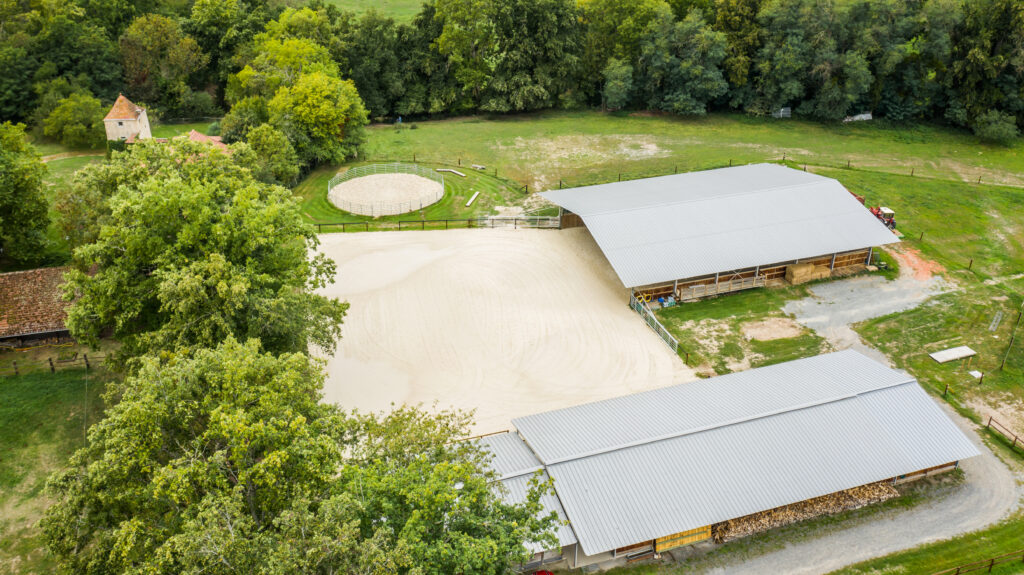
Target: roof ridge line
[[679, 202], [702, 429]]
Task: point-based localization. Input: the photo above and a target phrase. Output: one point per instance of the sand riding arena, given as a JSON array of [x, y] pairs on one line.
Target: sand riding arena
[[385, 189], [504, 322]]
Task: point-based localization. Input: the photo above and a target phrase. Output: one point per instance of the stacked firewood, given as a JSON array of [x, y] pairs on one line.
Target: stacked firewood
[[825, 505]]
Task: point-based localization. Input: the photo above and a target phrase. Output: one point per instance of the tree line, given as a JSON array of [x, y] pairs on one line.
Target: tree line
[[954, 61]]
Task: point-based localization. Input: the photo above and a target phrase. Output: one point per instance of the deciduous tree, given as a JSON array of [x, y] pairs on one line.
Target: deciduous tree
[[23, 218], [196, 250]]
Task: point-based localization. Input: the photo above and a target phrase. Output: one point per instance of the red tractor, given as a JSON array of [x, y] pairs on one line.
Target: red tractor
[[886, 216]]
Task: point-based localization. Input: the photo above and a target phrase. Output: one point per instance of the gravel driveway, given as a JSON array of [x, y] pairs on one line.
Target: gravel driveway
[[990, 490]]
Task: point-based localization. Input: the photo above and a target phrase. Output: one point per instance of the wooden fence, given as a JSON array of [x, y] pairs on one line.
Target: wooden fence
[[1016, 442], [490, 222], [985, 565], [51, 364]]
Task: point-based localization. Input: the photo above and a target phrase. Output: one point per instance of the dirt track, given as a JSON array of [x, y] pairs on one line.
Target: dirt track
[[510, 322]]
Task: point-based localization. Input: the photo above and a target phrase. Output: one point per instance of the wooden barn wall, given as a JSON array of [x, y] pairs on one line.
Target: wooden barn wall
[[775, 271]]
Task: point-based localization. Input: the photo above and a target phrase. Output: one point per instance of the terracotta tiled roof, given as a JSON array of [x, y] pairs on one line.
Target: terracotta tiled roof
[[123, 109], [30, 302], [215, 140]]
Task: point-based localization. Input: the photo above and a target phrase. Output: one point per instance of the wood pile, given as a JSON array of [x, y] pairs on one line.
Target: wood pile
[[825, 505]]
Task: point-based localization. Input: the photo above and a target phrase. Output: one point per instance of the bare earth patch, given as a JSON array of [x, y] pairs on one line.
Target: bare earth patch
[[771, 328], [385, 194], [911, 259]]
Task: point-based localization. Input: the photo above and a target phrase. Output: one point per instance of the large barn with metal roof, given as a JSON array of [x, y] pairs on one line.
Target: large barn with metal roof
[[643, 473], [702, 233]]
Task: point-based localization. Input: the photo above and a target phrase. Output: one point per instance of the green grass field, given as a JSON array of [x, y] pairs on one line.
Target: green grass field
[[43, 418], [589, 147], [312, 193], [711, 331], [400, 10]]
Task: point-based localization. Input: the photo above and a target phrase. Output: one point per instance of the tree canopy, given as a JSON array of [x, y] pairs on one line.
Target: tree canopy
[[226, 461], [23, 217], [196, 249]]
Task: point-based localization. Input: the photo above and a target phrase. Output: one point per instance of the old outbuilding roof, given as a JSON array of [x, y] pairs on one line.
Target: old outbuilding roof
[[123, 109], [214, 140], [700, 223], [30, 302], [651, 464]]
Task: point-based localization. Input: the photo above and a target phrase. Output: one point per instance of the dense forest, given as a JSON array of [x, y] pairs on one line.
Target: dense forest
[[300, 67]]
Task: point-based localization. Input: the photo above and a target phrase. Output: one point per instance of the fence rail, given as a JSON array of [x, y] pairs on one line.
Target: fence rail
[[1016, 442], [490, 222], [51, 364], [645, 312], [383, 208], [986, 564]]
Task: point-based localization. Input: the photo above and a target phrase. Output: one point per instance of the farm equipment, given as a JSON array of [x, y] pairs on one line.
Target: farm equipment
[[886, 216]]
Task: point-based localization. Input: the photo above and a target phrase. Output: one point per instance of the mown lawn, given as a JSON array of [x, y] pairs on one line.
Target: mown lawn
[[587, 147], [312, 193], [43, 418], [400, 10]]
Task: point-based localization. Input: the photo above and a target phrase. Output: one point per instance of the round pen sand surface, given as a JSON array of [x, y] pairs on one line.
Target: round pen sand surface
[[385, 194], [506, 322]]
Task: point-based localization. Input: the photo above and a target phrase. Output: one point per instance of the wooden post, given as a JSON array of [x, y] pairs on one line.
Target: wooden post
[[620, 176], [460, 161], [414, 157], [85, 356], [15, 364], [945, 391], [783, 156], [989, 424], [559, 183], [675, 169], [981, 379], [52, 369], [920, 237], [847, 164], [971, 264], [730, 162], [366, 226], [911, 172]]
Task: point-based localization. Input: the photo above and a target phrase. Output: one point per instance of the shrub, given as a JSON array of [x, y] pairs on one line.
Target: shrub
[[996, 127], [77, 121]]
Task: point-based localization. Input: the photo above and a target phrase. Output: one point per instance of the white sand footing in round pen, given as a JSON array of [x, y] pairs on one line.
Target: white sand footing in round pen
[[385, 194]]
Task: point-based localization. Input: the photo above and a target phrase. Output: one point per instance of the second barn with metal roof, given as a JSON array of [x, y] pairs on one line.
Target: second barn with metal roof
[[651, 471]]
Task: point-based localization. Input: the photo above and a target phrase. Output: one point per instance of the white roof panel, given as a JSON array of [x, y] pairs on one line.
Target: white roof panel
[[511, 456], [700, 223]]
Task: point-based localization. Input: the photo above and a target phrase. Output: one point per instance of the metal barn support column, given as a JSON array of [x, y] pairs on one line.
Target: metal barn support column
[[832, 266], [870, 252]]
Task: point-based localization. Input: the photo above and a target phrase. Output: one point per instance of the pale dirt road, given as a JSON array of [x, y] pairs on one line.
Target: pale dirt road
[[509, 322], [989, 493]]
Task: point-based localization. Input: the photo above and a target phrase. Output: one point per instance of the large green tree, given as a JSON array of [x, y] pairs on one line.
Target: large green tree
[[195, 250], [226, 461], [23, 218], [322, 116], [159, 63], [77, 121], [680, 64]]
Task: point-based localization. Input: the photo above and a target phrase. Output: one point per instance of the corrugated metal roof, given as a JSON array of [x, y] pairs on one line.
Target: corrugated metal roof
[[517, 488], [700, 223], [620, 422], [652, 464], [511, 456]]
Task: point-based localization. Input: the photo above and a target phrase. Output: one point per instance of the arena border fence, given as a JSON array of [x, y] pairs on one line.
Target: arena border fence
[[385, 208]]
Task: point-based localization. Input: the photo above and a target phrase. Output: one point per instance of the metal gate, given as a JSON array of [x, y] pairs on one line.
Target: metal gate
[[645, 312]]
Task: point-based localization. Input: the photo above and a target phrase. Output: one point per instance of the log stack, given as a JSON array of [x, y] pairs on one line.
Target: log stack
[[825, 505]]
